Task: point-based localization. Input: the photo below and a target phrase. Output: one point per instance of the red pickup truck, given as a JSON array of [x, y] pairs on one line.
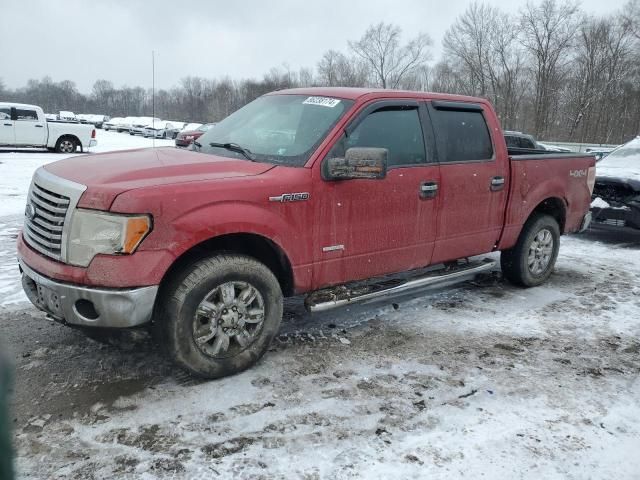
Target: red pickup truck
[[301, 191]]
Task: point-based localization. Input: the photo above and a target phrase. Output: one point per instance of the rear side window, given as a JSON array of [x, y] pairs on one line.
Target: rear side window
[[5, 113], [24, 114], [462, 135]]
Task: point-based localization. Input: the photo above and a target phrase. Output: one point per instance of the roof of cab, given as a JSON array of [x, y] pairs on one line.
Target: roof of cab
[[349, 93], [19, 105]]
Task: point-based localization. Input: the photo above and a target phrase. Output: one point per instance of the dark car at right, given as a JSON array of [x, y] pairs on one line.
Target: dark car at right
[[616, 196]]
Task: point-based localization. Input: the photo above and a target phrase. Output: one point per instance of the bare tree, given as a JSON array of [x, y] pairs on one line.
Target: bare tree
[[482, 46], [390, 61], [631, 16], [548, 30], [335, 69]]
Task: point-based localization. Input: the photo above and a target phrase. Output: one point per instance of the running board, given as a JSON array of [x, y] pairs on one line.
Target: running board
[[334, 297]]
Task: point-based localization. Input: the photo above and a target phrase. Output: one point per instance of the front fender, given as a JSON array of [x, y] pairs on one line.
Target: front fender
[[226, 218]]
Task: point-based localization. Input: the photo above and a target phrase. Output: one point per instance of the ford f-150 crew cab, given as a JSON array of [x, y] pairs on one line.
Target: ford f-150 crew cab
[[26, 126], [308, 191]]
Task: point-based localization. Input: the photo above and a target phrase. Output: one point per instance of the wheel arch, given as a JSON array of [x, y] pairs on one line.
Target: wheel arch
[[69, 136], [253, 245], [553, 206]]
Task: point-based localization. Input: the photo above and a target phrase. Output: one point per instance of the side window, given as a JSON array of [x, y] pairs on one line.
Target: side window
[[398, 129], [24, 114], [462, 135], [5, 113]]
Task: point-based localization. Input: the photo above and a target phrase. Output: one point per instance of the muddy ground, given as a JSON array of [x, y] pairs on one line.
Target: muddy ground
[[485, 379]]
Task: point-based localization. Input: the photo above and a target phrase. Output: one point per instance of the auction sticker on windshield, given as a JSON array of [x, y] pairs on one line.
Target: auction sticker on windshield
[[322, 101]]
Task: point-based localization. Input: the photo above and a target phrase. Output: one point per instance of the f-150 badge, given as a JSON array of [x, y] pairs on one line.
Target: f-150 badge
[[290, 197]]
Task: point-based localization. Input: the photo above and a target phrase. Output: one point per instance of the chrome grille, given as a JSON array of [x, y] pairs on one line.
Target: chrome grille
[[44, 222], [50, 206]]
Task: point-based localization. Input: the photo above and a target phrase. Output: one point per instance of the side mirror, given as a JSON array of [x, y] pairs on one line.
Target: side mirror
[[358, 162]]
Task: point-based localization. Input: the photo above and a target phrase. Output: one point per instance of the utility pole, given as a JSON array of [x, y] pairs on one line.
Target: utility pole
[[153, 94]]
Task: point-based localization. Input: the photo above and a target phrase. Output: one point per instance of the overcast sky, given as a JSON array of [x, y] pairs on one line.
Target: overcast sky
[[84, 40]]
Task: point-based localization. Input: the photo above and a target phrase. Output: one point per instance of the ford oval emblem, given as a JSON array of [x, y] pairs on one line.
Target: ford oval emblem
[[30, 211]]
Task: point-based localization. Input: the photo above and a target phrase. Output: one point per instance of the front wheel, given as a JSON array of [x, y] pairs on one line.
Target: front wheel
[[530, 262], [220, 315]]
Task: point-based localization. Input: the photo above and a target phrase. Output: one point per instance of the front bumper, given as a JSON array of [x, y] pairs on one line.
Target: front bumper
[[90, 307]]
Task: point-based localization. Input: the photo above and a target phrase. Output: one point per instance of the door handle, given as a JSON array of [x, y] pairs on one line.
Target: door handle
[[38, 126], [428, 190], [497, 183], [8, 124]]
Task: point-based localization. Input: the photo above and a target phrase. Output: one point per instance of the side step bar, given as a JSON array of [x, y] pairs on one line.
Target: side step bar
[[330, 298]]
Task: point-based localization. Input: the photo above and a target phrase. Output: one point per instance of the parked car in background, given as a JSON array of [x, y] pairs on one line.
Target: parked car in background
[[202, 245], [112, 123], [127, 124], [191, 126], [24, 125], [163, 129], [97, 120], [554, 148], [187, 137], [600, 152], [51, 116], [520, 140], [65, 115], [616, 196], [141, 123]]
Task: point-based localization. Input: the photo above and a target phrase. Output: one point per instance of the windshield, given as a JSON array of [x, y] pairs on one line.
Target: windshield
[[627, 156], [283, 129]]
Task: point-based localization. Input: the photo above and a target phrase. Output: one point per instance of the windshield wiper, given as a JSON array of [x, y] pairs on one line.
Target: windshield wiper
[[234, 147]]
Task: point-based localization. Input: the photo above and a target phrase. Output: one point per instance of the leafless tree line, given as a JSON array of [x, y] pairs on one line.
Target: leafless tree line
[[550, 70]]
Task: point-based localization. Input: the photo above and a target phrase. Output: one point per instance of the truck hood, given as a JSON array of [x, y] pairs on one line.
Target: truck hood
[[107, 175]]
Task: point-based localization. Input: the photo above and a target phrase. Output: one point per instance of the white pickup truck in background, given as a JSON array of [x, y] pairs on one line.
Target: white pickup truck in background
[[26, 126]]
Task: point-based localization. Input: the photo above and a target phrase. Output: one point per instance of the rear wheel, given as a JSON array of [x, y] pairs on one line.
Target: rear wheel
[[220, 315], [66, 145], [530, 262]]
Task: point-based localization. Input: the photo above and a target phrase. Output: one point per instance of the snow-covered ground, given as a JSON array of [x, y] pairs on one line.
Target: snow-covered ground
[[484, 380]]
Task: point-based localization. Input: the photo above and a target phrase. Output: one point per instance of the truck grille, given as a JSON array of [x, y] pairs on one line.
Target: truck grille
[[44, 220]]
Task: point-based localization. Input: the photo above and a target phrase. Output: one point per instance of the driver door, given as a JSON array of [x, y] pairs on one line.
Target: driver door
[[367, 227]]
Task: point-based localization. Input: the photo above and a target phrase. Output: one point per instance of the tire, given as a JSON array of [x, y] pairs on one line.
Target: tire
[[530, 262], [66, 145], [212, 300]]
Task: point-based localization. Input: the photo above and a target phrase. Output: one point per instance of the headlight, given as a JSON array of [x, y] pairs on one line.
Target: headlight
[[95, 232]]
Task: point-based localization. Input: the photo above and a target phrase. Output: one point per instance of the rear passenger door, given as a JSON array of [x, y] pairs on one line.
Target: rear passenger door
[[7, 136], [29, 129], [471, 188]]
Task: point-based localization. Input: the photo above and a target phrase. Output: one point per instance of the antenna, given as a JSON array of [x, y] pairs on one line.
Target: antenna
[[153, 95]]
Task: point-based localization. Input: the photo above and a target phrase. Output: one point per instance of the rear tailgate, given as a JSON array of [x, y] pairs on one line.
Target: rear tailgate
[[564, 178]]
